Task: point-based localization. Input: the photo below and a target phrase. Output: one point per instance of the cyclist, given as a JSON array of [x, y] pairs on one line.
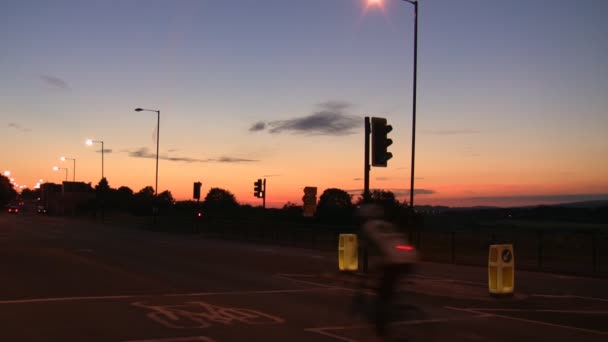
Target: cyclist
[[397, 258]]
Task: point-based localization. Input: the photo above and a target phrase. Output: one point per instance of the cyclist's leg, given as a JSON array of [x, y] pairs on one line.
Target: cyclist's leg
[[386, 291]]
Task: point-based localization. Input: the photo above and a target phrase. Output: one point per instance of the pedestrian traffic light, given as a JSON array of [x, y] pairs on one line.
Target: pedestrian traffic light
[[380, 142], [257, 189], [197, 190]]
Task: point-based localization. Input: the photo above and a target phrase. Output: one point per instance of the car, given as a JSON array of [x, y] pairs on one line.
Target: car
[[13, 209], [41, 209]]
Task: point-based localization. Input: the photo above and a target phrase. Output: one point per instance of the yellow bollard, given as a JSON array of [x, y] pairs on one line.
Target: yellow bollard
[[501, 270], [348, 253]]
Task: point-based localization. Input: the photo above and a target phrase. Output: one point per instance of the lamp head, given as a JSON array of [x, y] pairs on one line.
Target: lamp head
[[55, 168], [89, 142], [138, 109]]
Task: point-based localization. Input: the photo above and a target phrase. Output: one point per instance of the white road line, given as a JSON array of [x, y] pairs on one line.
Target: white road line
[[554, 325], [199, 294], [448, 280], [325, 333], [582, 312], [311, 283], [177, 339], [570, 296]]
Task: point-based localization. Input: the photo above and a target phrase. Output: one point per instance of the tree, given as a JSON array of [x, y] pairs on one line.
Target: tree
[[335, 205], [219, 201], [165, 199], [7, 192]]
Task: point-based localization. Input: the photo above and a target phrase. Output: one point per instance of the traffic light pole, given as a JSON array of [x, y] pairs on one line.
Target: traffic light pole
[[366, 195], [264, 195], [367, 167]]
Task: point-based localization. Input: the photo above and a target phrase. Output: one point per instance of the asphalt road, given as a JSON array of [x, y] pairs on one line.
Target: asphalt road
[[69, 280]]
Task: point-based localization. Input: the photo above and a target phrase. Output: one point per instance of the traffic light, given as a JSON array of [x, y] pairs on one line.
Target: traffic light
[[197, 190], [380, 142], [257, 189]]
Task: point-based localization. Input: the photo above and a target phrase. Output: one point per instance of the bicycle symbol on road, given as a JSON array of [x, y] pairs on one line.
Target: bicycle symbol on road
[[199, 315]]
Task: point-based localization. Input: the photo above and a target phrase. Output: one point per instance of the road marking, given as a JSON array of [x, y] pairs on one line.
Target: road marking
[[199, 294], [581, 312], [570, 296], [476, 311], [200, 315], [448, 280], [310, 282], [176, 339], [324, 330]]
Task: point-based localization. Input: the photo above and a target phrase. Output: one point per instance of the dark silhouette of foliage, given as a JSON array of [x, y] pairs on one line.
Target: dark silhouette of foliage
[[335, 206], [219, 202], [7, 191]]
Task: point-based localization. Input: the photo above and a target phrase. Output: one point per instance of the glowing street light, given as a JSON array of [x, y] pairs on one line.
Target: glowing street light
[[415, 3], [90, 142], [7, 173], [74, 172], [57, 168]]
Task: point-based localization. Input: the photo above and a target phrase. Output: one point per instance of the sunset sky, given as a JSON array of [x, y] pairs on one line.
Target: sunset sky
[[512, 96]]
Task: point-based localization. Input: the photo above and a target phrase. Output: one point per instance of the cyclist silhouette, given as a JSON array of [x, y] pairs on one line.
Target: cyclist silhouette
[[397, 258]]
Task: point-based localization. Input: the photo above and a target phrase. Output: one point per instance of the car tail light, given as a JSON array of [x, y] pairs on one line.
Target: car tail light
[[405, 247]]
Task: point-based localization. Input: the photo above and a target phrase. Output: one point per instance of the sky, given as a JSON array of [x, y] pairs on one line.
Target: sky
[[512, 96]]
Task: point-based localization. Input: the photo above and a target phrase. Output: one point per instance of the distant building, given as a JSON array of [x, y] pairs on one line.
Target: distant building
[[66, 198]]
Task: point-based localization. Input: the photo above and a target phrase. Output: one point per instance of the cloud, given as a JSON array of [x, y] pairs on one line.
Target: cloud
[[18, 127], [452, 131], [549, 199], [258, 126], [330, 119], [398, 192], [268, 176], [172, 150], [54, 82], [105, 150], [143, 152], [382, 178]]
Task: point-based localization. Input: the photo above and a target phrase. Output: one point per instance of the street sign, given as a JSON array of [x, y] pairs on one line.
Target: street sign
[[310, 201]]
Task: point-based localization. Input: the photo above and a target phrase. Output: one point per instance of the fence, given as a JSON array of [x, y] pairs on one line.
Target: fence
[[540, 250]]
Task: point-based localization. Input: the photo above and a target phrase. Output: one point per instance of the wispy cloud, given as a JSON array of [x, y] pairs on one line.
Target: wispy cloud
[[398, 192], [452, 132], [54, 82], [258, 126], [269, 176], [143, 152], [105, 150], [329, 119], [18, 127], [548, 199]]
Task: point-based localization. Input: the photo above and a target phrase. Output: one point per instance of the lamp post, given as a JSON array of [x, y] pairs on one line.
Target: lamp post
[[57, 168], [415, 3], [74, 170], [90, 142], [157, 140]]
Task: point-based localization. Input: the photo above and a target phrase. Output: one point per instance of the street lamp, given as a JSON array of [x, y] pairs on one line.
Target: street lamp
[[57, 168], [7, 173], [157, 140], [415, 3], [74, 172], [90, 142]]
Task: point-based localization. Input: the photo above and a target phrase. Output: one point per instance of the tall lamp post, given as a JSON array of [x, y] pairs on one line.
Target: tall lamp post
[[57, 168], [157, 140], [90, 142], [74, 170], [415, 3]]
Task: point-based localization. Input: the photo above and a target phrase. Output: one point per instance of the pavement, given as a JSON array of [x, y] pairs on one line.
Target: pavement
[[71, 280]]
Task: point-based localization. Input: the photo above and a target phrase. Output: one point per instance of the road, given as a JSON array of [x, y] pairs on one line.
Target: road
[[64, 279]]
